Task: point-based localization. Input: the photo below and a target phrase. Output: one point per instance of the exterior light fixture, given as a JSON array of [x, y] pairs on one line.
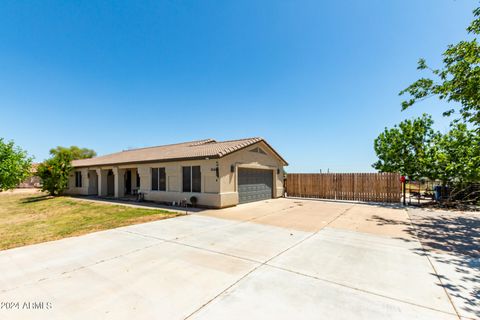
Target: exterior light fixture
[[232, 168]]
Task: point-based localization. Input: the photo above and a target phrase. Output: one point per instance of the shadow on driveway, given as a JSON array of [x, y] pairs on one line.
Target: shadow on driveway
[[452, 241]]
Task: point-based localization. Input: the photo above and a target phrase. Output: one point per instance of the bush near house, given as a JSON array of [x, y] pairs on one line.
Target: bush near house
[[55, 171]]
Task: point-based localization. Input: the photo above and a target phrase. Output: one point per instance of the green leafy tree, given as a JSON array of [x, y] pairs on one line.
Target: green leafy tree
[[458, 80], [414, 149], [456, 155], [75, 152], [15, 165], [55, 171], [407, 148]]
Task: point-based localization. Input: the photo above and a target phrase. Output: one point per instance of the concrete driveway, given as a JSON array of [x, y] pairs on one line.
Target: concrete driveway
[[277, 259]]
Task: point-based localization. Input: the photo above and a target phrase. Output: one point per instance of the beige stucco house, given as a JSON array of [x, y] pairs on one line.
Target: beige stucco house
[[218, 173]]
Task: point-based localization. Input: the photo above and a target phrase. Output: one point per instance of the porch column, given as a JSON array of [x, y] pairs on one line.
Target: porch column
[[119, 182], [134, 178], [85, 181], [102, 182], [92, 182], [145, 179]]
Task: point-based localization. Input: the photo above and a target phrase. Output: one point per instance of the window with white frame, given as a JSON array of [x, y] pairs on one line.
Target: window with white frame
[[159, 179], [192, 179]]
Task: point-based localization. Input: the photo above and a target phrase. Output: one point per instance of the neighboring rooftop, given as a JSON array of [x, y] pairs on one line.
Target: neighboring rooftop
[[192, 150]]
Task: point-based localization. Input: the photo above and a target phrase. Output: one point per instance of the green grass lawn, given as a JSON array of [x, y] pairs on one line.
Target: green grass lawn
[[33, 218]]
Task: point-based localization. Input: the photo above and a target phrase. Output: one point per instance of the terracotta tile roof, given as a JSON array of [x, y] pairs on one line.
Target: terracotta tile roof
[[200, 149]]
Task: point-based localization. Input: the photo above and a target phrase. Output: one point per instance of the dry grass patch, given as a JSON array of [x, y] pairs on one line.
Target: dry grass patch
[[33, 218]]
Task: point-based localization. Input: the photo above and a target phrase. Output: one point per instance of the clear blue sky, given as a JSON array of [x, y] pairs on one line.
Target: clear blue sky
[[318, 79]]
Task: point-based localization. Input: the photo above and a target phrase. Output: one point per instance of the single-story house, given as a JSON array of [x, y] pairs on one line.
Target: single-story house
[[218, 173]]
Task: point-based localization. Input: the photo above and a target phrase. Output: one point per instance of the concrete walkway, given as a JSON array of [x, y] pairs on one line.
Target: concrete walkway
[[278, 259], [135, 204]]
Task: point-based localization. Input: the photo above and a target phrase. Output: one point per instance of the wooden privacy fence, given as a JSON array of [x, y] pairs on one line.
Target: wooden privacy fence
[[374, 187]]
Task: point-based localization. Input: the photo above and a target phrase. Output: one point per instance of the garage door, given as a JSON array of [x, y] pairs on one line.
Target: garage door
[[254, 184]]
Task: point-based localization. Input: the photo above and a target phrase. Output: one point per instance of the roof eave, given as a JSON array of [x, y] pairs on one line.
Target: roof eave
[[146, 161]]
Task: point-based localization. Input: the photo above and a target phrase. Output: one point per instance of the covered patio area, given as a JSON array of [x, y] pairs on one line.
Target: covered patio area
[[114, 182]]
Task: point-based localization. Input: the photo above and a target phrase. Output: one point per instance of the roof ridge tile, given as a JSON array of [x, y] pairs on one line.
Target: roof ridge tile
[[199, 142]]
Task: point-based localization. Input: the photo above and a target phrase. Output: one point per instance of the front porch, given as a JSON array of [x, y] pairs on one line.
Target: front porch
[[122, 183]]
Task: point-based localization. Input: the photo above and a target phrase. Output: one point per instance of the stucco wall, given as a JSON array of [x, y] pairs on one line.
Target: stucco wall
[[210, 184], [71, 183]]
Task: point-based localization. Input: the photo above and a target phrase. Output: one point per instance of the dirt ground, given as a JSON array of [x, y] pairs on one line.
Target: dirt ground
[[21, 191]]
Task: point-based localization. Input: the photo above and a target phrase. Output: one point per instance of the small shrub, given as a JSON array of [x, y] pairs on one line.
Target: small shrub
[[193, 201]]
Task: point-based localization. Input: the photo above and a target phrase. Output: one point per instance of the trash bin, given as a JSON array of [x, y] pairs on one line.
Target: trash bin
[[437, 191]]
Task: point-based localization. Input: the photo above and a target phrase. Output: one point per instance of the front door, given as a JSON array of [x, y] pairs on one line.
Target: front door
[[110, 183], [128, 182]]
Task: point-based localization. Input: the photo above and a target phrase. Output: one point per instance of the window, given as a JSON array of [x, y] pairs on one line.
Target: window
[[159, 179], [78, 179], [196, 179], [192, 179]]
